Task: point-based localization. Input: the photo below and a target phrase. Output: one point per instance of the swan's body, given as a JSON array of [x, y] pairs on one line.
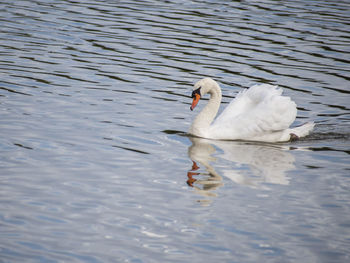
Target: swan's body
[[259, 113]]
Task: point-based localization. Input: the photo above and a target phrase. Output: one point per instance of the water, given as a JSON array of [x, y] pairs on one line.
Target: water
[[95, 162]]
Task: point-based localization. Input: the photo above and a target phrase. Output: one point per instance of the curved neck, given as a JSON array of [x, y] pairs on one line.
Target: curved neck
[[203, 120]]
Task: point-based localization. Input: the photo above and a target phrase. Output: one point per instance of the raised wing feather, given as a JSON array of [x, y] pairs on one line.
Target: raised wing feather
[[257, 110]]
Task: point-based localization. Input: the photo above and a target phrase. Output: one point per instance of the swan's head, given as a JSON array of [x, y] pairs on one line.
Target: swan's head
[[202, 87]]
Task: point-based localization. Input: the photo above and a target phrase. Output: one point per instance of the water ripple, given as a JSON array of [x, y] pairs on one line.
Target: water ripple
[[94, 102]]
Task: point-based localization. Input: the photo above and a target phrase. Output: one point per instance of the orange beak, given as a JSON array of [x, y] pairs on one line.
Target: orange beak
[[195, 101]]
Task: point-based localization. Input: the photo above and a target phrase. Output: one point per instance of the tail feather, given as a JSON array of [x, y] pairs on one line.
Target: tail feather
[[303, 130]]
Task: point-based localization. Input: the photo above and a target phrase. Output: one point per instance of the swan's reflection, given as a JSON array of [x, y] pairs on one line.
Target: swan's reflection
[[250, 164]]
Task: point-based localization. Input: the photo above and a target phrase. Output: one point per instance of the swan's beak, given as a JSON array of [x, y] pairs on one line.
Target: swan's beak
[[196, 98]]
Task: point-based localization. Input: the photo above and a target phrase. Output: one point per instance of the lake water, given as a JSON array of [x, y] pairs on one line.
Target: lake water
[[95, 161]]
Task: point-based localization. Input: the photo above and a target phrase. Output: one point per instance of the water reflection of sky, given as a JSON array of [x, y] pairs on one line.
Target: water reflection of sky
[[94, 102]]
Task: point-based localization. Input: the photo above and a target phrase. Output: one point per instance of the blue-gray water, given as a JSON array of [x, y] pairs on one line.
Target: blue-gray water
[[94, 110]]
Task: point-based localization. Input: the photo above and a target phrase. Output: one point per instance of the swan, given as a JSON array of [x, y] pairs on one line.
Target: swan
[[259, 113]]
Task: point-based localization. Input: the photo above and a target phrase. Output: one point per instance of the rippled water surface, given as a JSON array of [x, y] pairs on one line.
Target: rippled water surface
[[95, 162]]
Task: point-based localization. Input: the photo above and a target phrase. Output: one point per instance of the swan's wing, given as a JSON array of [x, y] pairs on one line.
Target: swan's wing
[[259, 109]]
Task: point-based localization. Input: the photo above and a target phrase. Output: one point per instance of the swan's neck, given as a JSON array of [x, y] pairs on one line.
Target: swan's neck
[[201, 123]]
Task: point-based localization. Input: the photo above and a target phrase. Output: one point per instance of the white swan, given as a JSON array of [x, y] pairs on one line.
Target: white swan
[[259, 113]]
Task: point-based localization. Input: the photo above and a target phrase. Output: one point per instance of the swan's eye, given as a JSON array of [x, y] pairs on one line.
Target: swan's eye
[[197, 91]]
